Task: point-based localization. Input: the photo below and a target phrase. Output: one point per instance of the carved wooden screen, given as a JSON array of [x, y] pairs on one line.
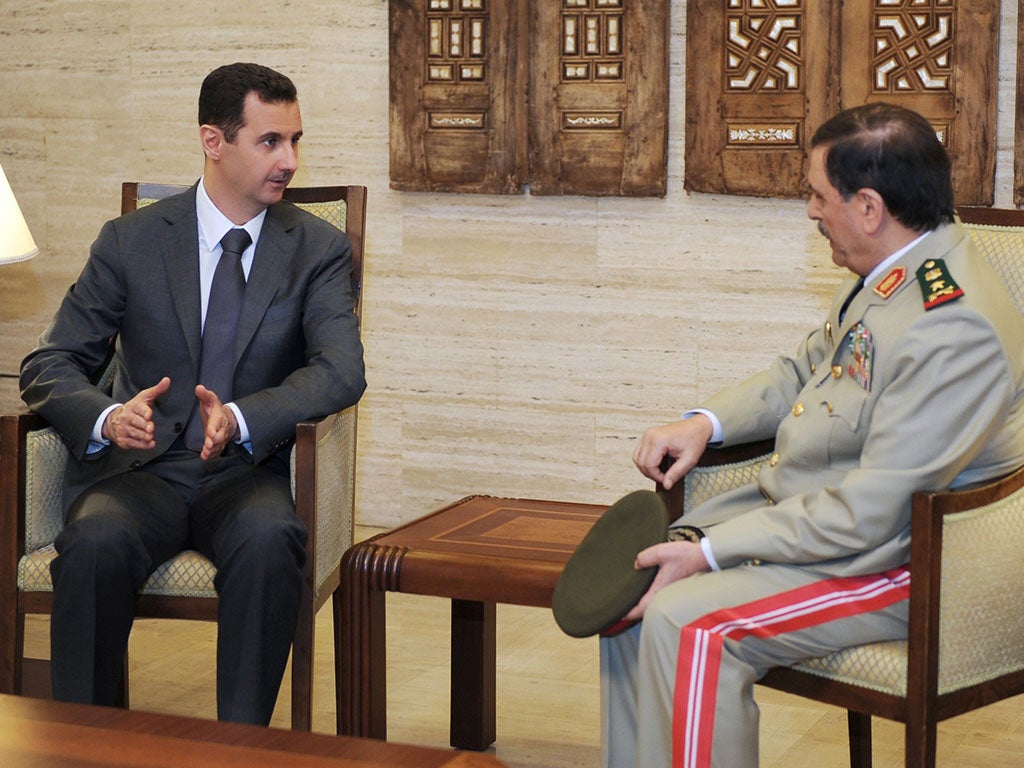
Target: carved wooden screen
[[939, 58], [599, 97], [763, 74], [595, 73], [760, 75], [458, 91]]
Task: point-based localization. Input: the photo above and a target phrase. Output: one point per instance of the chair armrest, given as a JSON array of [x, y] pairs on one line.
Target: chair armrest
[[966, 575], [28, 445], [323, 478], [14, 431], [717, 471]]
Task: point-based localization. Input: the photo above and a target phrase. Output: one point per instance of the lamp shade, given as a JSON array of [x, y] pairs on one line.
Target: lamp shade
[[16, 243]]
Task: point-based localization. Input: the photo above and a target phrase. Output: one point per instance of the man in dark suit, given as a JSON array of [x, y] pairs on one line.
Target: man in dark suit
[[183, 452]]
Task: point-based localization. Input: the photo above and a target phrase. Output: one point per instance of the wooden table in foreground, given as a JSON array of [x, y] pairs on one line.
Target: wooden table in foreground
[[36, 732], [479, 551]]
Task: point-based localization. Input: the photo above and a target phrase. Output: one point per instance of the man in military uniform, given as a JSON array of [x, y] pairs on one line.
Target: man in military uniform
[[914, 382]]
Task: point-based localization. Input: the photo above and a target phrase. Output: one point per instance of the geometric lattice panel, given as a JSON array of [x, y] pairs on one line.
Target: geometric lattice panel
[[785, 66], [760, 76], [912, 47], [939, 58]]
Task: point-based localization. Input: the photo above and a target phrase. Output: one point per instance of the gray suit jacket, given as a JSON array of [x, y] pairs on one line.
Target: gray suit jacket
[[297, 355], [894, 399]]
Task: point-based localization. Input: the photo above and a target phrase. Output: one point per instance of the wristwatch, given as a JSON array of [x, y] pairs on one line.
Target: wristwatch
[[689, 533]]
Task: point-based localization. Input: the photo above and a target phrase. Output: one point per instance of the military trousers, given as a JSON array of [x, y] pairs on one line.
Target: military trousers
[[677, 689]]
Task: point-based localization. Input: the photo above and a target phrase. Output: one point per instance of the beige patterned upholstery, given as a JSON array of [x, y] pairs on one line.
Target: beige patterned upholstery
[[978, 638], [703, 483], [323, 486], [335, 489], [966, 562], [1002, 247]]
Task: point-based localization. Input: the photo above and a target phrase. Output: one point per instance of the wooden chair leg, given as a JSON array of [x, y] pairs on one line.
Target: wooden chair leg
[[859, 727], [122, 694], [302, 667], [13, 643], [920, 741]]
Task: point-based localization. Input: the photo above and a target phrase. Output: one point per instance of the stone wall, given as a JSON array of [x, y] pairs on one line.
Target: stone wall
[[515, 345]]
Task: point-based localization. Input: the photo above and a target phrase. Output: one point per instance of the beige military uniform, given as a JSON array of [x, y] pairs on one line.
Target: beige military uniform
[[918, 387]]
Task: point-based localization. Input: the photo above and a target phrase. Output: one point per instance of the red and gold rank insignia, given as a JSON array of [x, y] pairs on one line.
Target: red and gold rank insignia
[[888, 284], [937, 285]]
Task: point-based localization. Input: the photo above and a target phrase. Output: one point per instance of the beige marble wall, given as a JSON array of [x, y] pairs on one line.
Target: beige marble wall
[[515, 345]]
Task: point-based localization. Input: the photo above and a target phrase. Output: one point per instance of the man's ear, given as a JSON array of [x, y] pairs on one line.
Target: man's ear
[[871, 208], [212, 138]]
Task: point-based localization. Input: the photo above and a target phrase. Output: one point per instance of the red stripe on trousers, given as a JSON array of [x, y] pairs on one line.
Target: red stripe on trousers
[[701, 642]]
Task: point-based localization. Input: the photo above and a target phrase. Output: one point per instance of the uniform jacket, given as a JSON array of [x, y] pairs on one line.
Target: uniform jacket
[[918, 388], [297, 352]]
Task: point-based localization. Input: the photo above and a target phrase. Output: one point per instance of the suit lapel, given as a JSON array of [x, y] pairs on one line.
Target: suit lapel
[[180, 254], [271, 261]]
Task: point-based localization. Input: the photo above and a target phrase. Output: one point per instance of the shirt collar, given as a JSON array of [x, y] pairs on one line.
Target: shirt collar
[[890, 260], [213, 224]]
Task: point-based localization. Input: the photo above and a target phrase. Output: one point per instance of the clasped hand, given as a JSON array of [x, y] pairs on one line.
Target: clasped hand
[[130, 426]]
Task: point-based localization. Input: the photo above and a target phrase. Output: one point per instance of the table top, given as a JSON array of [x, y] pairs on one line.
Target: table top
[[37, 732], [487, 548]]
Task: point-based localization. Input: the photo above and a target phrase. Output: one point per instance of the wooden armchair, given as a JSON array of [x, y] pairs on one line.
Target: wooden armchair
[[967, 629], [32, 458]]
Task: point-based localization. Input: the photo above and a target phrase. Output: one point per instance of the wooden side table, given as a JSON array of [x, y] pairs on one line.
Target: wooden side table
[[479, 551]]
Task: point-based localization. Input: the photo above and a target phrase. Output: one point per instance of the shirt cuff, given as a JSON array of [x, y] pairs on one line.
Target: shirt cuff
[[705, 546], [717, 435], [244, 438], [97, 442]]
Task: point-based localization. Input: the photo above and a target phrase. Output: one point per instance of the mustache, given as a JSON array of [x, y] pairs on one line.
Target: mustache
[[823, 231]]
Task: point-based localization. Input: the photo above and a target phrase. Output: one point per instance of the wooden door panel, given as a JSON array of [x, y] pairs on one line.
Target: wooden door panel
[[457, 87], [761, 75], [939, 58], [598, 98]]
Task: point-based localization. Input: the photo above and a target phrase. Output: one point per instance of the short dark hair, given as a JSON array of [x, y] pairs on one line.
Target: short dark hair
[[895, 152], [222, 95]]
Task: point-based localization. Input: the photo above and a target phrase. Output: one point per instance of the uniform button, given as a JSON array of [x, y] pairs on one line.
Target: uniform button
[[178, 427], [773, 460], [136, 464], [814, 369], [837, 371], [798, 409], [829, 406]]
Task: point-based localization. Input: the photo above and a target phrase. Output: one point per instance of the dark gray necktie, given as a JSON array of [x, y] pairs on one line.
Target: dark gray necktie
[[218, 351]]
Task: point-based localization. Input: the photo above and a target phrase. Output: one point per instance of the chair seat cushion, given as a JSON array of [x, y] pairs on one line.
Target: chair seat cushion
[[876, 666], [187, 574]]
